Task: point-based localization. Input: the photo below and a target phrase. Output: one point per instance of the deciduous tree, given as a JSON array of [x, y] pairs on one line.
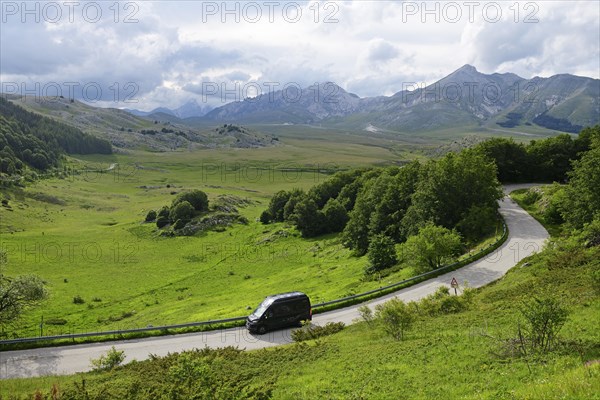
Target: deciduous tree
[[432, 247]]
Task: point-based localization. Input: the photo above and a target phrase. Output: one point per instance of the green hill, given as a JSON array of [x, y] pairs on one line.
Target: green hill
[[157, 132], [28, 138]]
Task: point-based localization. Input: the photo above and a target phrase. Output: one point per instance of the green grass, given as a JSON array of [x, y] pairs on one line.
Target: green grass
[[85, 237], [449, 356]]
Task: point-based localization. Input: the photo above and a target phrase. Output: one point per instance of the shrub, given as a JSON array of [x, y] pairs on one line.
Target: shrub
[[196, 198], [440, 293], [190, 373], [451, 305], [544, 318], [442, 302], [396, 317], [78, 300], [163, 212], [552, 214], [311, 331], [112, 359], [151, 216], [183, 211], [531, 196], [366, 314], [161, 222], [179, 224], [266, 217], [591, 233]]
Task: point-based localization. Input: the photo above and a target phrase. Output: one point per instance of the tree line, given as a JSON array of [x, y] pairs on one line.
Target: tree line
[[29, 139], [437, 206], [376, 208], [578, 203], [546, 160]]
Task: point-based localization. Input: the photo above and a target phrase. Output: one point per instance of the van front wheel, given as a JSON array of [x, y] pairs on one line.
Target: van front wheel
[[262, 330]]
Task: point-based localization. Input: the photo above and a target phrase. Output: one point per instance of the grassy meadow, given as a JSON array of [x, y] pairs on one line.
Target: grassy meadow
[[85, 236]]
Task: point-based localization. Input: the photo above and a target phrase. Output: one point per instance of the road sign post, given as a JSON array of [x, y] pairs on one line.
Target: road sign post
[[454, 284]]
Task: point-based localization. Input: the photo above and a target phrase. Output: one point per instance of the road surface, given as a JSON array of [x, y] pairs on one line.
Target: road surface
[[526, 236]]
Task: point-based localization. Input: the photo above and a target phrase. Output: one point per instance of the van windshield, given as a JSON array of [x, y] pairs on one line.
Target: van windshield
[[260, 310]]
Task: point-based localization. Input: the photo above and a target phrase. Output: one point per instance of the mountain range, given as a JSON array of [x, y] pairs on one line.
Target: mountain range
[[465, 98], [188, 110]]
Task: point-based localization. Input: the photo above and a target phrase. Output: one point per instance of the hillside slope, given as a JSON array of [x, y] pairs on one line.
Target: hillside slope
[[159, 132], [27, 138]]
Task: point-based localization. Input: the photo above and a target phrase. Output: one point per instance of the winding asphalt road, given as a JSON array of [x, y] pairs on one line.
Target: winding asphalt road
[[526, 236]]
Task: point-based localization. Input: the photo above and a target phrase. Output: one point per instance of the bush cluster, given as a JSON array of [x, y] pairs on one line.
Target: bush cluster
[[78, 300], [395, 317], [112, 359], [183, 209], [311, 331]]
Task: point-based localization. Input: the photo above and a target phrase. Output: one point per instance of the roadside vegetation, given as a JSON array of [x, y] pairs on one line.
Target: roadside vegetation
[[434, 210], [548, 160], [487, 343]]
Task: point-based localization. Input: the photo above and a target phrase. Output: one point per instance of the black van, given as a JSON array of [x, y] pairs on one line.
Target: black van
[[280, 311]]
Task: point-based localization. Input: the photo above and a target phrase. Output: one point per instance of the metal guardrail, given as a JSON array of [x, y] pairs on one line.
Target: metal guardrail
[[236, 319], [121, 332]]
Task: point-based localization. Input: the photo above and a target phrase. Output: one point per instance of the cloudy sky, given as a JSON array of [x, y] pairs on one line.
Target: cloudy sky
[[146, 54]]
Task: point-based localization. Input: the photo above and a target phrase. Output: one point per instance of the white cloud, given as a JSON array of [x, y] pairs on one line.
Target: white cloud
[[373, 48], [566, 39], [381, 50]]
